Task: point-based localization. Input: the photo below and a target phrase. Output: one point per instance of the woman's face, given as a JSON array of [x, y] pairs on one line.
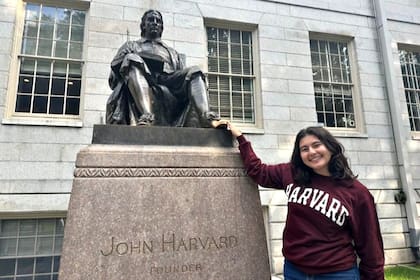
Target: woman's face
[[315, 154]]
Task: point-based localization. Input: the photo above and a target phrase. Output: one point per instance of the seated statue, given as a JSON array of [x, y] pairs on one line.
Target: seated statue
[[151, 86]]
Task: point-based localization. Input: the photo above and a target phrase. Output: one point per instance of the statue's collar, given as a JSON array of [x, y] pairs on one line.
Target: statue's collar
[[157, 40]]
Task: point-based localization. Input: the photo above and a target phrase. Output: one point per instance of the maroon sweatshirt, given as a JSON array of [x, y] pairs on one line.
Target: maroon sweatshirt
[[328, 221]]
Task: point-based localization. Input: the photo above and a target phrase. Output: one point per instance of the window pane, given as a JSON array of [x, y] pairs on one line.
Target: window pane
[[25, 84], [341, 120], [23, 103], [56, 264], [30, 29], [43, 68], [43, 265], [223, 50], [236, 67], [25, 266], [45, 47], [315, 59], [212, 49], [58, 86], [26, 246], [46, 227], [235, 36], [236, 51], [72, 106], [211, 34], [333, 47], [8, 228], [48, 14], [42, 277], [58, 244], [62, 32], [28, 46], [77, 33], [56, 106], [42, 85], [59, 226], [316, 73], [223, 35], [314, 45], [32, 11], [213, 66], [8, 247], [63, 15], [73, 87], [75, 50], [75, 70], [7, 267], [246, 53], [330, 119], [40, 104], [46, 30], [246, 38], [61, 48], [339, 105], [224, 65], [27, 227], [78, 17]]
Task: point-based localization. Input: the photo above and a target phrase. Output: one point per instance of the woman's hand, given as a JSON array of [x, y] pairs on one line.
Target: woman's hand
[[234, 130], [229, 126]]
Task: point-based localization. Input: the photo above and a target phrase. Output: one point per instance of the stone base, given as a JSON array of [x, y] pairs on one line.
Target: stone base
[[156, 212]]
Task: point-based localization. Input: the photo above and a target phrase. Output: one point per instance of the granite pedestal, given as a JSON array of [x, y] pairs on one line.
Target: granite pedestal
[[163, 212]]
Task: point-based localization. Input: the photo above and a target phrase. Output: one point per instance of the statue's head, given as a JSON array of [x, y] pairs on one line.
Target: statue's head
[[151, 24]]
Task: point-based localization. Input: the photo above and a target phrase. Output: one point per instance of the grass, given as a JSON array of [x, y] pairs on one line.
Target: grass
[[403, 272]]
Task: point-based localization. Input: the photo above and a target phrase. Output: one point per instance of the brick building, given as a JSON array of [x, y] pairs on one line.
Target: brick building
[[273, 67]]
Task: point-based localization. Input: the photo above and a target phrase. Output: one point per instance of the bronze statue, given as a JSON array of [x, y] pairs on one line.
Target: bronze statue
[[151, 86]]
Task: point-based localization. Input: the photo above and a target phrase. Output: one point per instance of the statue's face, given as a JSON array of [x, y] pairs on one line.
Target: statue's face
[[153, 26]]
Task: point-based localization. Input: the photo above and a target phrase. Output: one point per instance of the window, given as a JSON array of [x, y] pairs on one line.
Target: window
[[30, 249], [333, 84], [50, 62], [231, 74], [410, 68]]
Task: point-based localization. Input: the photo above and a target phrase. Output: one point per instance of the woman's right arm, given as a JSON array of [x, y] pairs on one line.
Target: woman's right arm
[[263, 174]]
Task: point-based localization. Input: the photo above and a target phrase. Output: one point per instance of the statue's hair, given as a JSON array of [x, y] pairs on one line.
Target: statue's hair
[[337, 166], [143, 20]]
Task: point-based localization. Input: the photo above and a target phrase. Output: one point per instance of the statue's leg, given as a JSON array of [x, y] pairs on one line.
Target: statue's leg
[[199, 99], [142, 95]]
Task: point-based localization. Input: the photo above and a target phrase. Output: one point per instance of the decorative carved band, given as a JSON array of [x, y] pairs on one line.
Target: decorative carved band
[[159, 172]]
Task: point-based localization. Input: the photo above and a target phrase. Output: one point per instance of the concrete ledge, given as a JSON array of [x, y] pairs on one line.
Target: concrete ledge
[[161, 135]]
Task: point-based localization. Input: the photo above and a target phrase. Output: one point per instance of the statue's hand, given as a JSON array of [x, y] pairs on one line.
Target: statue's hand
[[211, 116]]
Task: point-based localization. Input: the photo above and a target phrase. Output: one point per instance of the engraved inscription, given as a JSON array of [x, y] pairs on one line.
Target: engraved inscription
[[131, 247], [176, 268], [169, 243], [172, 243]]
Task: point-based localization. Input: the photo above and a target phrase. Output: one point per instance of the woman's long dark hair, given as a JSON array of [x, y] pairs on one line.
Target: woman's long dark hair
[[338, 165]]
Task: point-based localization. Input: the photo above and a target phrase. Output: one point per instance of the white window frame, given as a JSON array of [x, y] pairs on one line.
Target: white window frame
[[359, 130], [12, 117], [257, 126], [412, 49], [37, 252]]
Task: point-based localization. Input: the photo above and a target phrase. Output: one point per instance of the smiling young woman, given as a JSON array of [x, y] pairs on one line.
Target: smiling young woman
[[331, 217]]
